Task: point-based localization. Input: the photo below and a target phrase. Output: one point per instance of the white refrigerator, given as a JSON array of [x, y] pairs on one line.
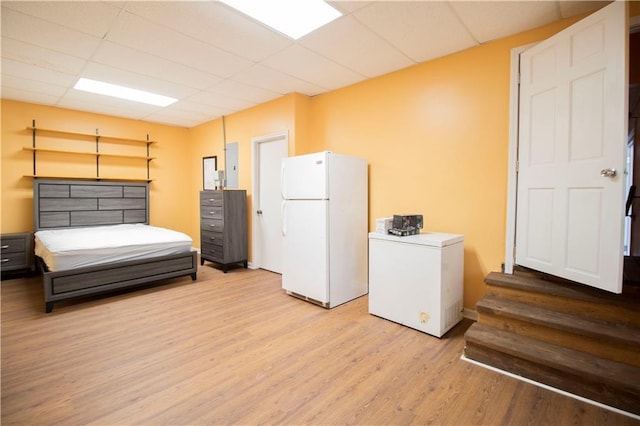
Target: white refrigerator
[[324, 227]]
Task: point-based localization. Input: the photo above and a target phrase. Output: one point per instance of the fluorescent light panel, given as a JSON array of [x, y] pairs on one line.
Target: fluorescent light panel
[[294, 18], [108, 89]]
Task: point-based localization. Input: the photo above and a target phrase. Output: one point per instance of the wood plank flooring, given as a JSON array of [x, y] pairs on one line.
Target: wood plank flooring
[[235, 349]]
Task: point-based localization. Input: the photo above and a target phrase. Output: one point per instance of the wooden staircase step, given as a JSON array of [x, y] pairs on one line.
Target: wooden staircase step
[[609, 382], [572, 323], [566, 296], [616, 342]]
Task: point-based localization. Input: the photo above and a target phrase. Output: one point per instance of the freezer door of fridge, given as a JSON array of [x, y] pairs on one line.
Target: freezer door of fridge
[[305, 177], [305, 266]]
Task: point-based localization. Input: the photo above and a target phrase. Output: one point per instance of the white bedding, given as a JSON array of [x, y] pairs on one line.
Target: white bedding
[[77, 247]]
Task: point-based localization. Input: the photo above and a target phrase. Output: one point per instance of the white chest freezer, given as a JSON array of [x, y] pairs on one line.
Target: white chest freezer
[[417, 280]]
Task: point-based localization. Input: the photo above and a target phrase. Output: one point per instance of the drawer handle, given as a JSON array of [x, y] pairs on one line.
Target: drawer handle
[[212, 225], [5, 260], [213, 238], [212, 213], [211, 200], [4, 247]]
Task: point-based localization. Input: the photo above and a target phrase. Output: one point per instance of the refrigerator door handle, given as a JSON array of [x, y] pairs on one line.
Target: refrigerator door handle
[[284, 219]]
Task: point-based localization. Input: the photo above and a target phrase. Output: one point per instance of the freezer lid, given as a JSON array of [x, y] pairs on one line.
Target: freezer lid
[[304, 177], [432, 239]]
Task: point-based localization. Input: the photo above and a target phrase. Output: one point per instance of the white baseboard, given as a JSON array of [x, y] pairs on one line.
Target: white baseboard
[[551, 388]]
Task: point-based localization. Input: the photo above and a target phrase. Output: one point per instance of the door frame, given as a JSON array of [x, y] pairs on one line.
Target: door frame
[[512, 174], [256, 255]]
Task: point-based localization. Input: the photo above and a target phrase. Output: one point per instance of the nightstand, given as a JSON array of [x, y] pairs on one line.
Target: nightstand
[[16, 252]]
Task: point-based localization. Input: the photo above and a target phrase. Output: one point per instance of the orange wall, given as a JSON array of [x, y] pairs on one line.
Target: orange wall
[[169, 201], [435, 136], [436, 139], [207, 139]]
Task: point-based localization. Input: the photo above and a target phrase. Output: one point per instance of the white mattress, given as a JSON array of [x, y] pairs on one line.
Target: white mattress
[[78, 247]]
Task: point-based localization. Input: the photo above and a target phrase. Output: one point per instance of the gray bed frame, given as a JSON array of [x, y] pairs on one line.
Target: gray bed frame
[[74, 204]]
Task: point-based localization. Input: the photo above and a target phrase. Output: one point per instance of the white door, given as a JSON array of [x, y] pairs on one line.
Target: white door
[[571, 155], [268, 152], [305, 263]]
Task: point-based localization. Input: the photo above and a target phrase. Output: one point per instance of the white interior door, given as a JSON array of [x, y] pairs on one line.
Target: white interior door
[[268, 153], [572, 137]]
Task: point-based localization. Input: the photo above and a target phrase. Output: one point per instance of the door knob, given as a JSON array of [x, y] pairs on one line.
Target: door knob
[[608, 172], [259, 212]]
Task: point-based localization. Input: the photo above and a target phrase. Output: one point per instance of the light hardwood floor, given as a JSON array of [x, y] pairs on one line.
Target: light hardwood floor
[[234, 349]]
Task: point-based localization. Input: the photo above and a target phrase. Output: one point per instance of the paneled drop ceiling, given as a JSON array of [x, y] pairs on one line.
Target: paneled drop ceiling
[[217, 61]]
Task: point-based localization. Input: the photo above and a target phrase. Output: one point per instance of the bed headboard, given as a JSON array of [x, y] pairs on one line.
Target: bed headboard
[[73, 203]]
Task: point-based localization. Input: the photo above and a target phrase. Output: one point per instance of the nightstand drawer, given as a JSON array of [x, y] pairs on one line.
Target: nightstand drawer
[[14, 260], [13, 245]]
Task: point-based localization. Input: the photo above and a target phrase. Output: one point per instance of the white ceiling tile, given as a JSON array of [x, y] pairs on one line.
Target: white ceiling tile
[[221, 101], [137, 33], [306, 65], [570, 8], [180, 117], [218, 61], [143, 63], [422, 30], [238, 90], [133, 80], [347, 7], [491, 20], [349, 43], [33, 72], [94, 17], [23, 95], [41, 57], [216, 24], [270, 79], [76, 99], [45, 34], [21, 83]]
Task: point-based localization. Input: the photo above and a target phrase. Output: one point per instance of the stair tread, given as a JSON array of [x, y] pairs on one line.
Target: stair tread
[[559, 320], [554, 356], [540, 283]]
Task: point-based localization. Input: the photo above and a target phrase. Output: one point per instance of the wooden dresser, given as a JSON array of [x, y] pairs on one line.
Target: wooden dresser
[[223, 227]]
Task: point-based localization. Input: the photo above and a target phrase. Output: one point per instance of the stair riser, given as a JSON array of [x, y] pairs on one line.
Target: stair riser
[[604, 348], [623, 399], [600, 311]]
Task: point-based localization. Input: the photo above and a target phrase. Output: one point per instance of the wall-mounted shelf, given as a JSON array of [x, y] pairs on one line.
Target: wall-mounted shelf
[[98, 142], [91, 135], [97, 154], [111, 179]]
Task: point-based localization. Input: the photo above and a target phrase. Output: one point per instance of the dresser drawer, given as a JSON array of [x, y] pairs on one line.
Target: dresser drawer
[[211, 198], [212, 252], [13, 245], [211, 212], [215, 225], [211, 237]]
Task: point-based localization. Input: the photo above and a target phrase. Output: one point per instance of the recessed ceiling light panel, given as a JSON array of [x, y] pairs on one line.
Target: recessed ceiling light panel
[[294, 18], [108, 89]]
